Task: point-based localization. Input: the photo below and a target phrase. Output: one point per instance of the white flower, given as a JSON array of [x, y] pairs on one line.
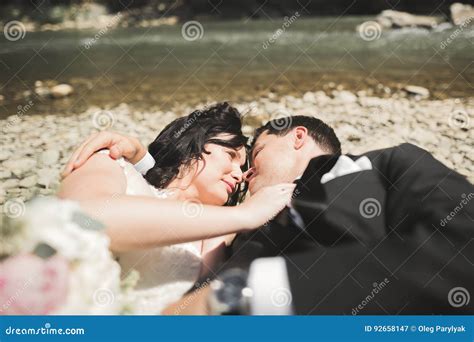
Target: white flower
[[94, 283]]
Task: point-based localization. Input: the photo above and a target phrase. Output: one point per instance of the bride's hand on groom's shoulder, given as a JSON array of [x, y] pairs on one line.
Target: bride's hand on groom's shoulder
[[266, 203], [119, 146]]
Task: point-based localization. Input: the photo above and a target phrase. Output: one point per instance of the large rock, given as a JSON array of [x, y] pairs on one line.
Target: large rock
[[61, 90], [462, 14], [396, 19]]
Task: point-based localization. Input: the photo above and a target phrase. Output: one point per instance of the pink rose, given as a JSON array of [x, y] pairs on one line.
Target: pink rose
[[30, 285]]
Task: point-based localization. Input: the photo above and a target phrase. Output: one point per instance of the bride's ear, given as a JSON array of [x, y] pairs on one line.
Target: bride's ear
[[300, 134]]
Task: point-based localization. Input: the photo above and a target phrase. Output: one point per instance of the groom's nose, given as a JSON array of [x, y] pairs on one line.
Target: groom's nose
[[249, 174]]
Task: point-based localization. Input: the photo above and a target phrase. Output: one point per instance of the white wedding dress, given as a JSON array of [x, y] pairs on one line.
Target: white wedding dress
[[166, 273]]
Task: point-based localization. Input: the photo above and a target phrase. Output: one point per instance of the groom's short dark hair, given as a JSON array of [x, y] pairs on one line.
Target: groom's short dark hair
[[321, 133]]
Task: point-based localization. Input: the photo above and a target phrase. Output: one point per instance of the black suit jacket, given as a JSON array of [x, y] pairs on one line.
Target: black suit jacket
[[397, 239]]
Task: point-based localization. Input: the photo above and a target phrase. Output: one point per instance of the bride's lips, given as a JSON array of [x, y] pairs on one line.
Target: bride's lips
[[230, 186]]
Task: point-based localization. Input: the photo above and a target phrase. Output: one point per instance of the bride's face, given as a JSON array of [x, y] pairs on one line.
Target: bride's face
[[219, 173]]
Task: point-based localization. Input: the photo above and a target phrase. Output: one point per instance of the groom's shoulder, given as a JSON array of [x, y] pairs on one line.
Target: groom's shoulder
[[396, 155], [384, 160], [404, 151]]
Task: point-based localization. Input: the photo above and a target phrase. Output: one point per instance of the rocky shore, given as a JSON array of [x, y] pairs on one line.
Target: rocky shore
[[35, 148]]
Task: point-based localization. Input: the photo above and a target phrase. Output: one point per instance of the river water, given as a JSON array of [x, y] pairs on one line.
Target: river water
[[233, 60]]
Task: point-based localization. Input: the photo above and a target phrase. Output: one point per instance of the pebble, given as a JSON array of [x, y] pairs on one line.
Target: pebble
[[457, 158], [5, 174], [50, 157], [29, 181], [46, 177], [417, 91], [309, 97], [19, 166], [4, 155], [344, 96], [61, 90], [10, 183]]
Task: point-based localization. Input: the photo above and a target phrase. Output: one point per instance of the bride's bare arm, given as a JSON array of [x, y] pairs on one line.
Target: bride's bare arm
[[136, 222]]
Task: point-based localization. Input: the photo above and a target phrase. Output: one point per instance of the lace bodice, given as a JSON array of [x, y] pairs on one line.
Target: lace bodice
[[166, 273]]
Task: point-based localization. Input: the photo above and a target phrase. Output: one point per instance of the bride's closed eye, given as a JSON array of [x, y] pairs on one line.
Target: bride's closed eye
[[232, 154]]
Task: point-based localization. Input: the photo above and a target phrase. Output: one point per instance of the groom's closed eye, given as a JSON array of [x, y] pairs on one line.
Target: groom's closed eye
[[256, 151]]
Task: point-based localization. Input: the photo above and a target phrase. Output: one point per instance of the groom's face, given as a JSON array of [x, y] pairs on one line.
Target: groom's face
[[273, 160]]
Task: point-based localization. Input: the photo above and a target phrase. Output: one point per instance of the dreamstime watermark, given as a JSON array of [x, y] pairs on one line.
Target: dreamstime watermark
[[10, 301], [191, 297], [103, 296], [250, 110], [377, 287], [187, 124], [286, 24], [370, 208], [444, 44], [459, 119], [465, 200], [281, 297], [370, 30], [87, 222], [14, 30], [22, 110], [103, 119], [458, 296], [14, 208], [281, 120], [103, 31], [46, 330], [192, 208], [192, 30]]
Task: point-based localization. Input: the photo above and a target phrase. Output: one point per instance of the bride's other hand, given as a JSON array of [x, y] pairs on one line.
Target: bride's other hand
[[266, 203], [119, 145]]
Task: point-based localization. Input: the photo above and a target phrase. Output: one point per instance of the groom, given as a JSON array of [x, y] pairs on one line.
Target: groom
[[387, 232]]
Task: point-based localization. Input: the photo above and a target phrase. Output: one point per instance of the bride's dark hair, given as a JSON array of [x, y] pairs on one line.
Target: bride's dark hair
[[182, 142]]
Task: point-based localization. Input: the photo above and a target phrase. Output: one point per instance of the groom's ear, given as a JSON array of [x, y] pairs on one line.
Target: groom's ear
[[300, 134]]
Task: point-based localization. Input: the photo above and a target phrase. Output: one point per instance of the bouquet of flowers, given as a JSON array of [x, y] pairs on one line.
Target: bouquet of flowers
[[55, 260]]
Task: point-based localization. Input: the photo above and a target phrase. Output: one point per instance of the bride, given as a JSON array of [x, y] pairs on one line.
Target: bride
[[172, 224]]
